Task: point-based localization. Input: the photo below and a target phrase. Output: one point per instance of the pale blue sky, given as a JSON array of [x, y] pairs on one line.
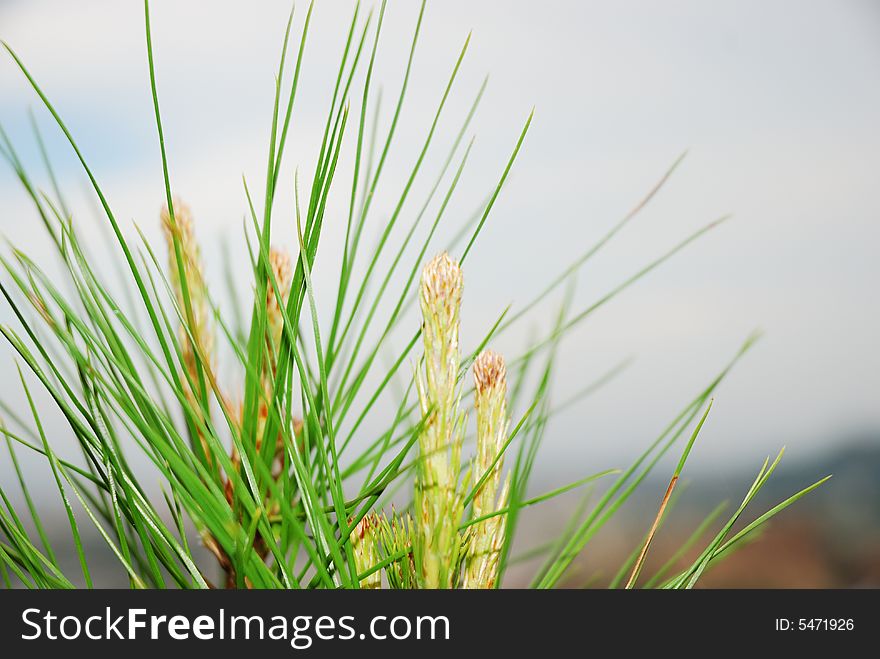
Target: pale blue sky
[[778, 103]]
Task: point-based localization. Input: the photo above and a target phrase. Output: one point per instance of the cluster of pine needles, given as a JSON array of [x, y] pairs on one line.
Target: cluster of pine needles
[[275, 477]]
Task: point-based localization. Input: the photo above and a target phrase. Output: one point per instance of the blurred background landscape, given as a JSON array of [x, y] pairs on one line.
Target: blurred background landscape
[[777, 105]]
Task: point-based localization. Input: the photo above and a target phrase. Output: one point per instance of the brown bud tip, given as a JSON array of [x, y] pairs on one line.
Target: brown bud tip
[[441, 278], [369, 523], [182, 217], [489, 371], [279, 260]]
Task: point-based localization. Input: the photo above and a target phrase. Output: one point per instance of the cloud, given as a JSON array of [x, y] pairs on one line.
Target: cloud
[[777, 102]]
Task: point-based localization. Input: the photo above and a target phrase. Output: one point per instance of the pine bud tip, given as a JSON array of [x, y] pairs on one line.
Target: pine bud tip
[[489, 371]]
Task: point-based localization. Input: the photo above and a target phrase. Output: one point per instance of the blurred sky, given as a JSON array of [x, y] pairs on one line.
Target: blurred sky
[[777, 102]]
